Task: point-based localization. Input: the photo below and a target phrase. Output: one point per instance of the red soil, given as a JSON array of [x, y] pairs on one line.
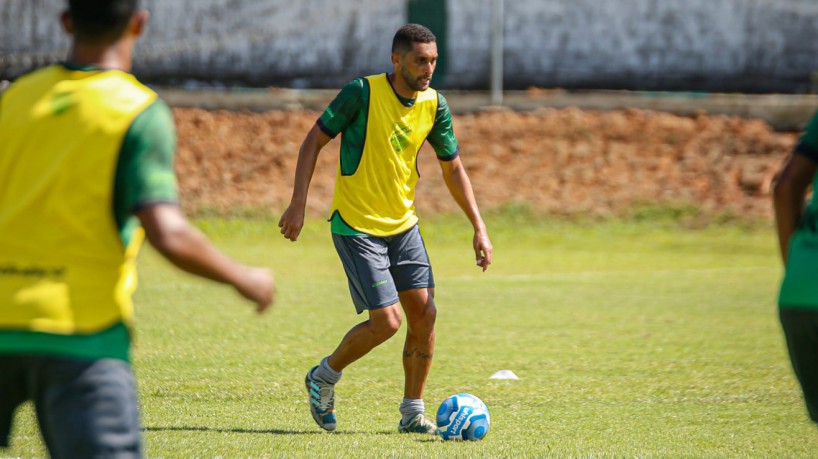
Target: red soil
[[562, 161]]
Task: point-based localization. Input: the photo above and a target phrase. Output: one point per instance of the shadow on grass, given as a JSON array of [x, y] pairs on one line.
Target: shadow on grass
[[259, 431]]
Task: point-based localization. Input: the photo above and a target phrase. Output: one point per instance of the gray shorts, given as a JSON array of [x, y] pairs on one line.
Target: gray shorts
[[85, 408], [377, 268]]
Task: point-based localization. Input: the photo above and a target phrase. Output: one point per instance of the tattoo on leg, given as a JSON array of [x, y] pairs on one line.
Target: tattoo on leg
[[417, 354]]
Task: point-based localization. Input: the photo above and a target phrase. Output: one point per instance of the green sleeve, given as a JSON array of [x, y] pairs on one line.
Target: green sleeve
[[145, 172], [808, 144], [345, 108], [441, 137]]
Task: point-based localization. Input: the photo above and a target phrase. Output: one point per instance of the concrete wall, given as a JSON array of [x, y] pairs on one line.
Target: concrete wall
[[648, 44], [303, 43], [720, 45]]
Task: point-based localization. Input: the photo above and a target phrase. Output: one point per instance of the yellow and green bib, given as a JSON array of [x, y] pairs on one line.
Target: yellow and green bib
[[63, 267], [378, 197]]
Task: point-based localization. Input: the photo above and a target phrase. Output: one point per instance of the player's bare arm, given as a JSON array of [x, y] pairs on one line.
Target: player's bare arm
[[187, 248], [789, 196], [457, 180], [292, 220]]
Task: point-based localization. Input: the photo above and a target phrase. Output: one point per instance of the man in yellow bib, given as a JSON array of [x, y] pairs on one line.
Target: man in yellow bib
[[384, 119], [86, 155]]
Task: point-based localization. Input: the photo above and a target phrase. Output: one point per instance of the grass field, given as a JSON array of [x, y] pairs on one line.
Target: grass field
[[636, 338]]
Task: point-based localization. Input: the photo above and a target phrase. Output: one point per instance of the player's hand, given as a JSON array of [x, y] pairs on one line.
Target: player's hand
[[292, 221], [482, 249], [257, 285]]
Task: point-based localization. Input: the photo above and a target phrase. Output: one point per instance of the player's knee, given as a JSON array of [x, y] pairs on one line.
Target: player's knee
[[393, 324], [384, 331], [387, 323]]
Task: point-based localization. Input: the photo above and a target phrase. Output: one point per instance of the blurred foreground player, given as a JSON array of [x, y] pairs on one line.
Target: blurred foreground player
[[86, 155], [797, 227]]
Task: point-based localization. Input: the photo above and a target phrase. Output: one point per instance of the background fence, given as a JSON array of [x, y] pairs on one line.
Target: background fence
[[714, 45]]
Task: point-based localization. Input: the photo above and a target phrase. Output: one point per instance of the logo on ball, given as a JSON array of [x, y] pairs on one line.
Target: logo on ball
[[463, 417]]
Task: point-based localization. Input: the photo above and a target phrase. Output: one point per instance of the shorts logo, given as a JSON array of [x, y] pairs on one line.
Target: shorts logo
[[378, 284]]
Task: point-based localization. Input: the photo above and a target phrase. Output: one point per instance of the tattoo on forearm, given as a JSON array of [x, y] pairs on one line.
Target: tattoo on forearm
[[417, 354]]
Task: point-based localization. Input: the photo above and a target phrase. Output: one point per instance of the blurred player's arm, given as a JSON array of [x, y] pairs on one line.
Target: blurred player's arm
[[789, 195], [169, 231], [292, 220], [146, 187], [457, 180]]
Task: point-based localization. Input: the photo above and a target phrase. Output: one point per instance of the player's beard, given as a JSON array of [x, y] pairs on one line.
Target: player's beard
[[415, 83]]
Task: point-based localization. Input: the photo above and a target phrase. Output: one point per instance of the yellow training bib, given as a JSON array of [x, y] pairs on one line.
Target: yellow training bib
[[379, 197], [63, 268]]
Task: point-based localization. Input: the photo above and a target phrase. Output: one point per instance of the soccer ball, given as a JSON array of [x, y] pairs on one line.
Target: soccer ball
[[463, 417]]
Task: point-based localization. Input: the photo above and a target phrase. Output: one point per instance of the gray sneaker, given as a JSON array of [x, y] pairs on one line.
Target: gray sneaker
[[322, 401], [418, 424]]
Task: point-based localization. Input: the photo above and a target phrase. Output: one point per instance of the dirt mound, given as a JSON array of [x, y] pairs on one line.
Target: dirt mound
[[564, 161]]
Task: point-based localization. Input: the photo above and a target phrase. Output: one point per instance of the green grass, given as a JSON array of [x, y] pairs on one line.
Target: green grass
[[649, 337]]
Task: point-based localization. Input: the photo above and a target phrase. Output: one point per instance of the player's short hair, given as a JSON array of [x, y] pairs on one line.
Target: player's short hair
[[101, 19], [409, 34]]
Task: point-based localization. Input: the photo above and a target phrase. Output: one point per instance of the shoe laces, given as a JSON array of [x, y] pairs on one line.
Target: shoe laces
[[326, 393], [425, 423]]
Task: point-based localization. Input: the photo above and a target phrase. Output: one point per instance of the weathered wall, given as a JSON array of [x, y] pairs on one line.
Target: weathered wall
[[737, 45], [649, 44], [255, 41]]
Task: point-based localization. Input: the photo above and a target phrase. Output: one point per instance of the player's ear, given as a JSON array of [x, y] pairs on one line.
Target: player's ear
[[139, 22], [67, 23], [395, 59]]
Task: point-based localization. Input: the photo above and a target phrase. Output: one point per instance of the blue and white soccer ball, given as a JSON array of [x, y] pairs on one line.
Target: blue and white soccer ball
[[463, 417]]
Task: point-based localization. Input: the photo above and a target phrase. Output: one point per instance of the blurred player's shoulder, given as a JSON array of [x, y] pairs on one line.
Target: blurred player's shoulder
[[32, 78]]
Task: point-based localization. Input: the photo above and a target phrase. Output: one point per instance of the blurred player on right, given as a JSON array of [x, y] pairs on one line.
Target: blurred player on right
[[797, 227]]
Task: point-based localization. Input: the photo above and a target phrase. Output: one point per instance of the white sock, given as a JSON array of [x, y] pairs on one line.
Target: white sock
[[325, 373], [411, 407]]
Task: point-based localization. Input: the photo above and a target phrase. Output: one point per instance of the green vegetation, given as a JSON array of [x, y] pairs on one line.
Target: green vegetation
[[646, 337]]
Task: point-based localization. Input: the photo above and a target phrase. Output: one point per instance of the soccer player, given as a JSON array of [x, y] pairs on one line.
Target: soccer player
[[384, 119], [86, 155], [798, 239]]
